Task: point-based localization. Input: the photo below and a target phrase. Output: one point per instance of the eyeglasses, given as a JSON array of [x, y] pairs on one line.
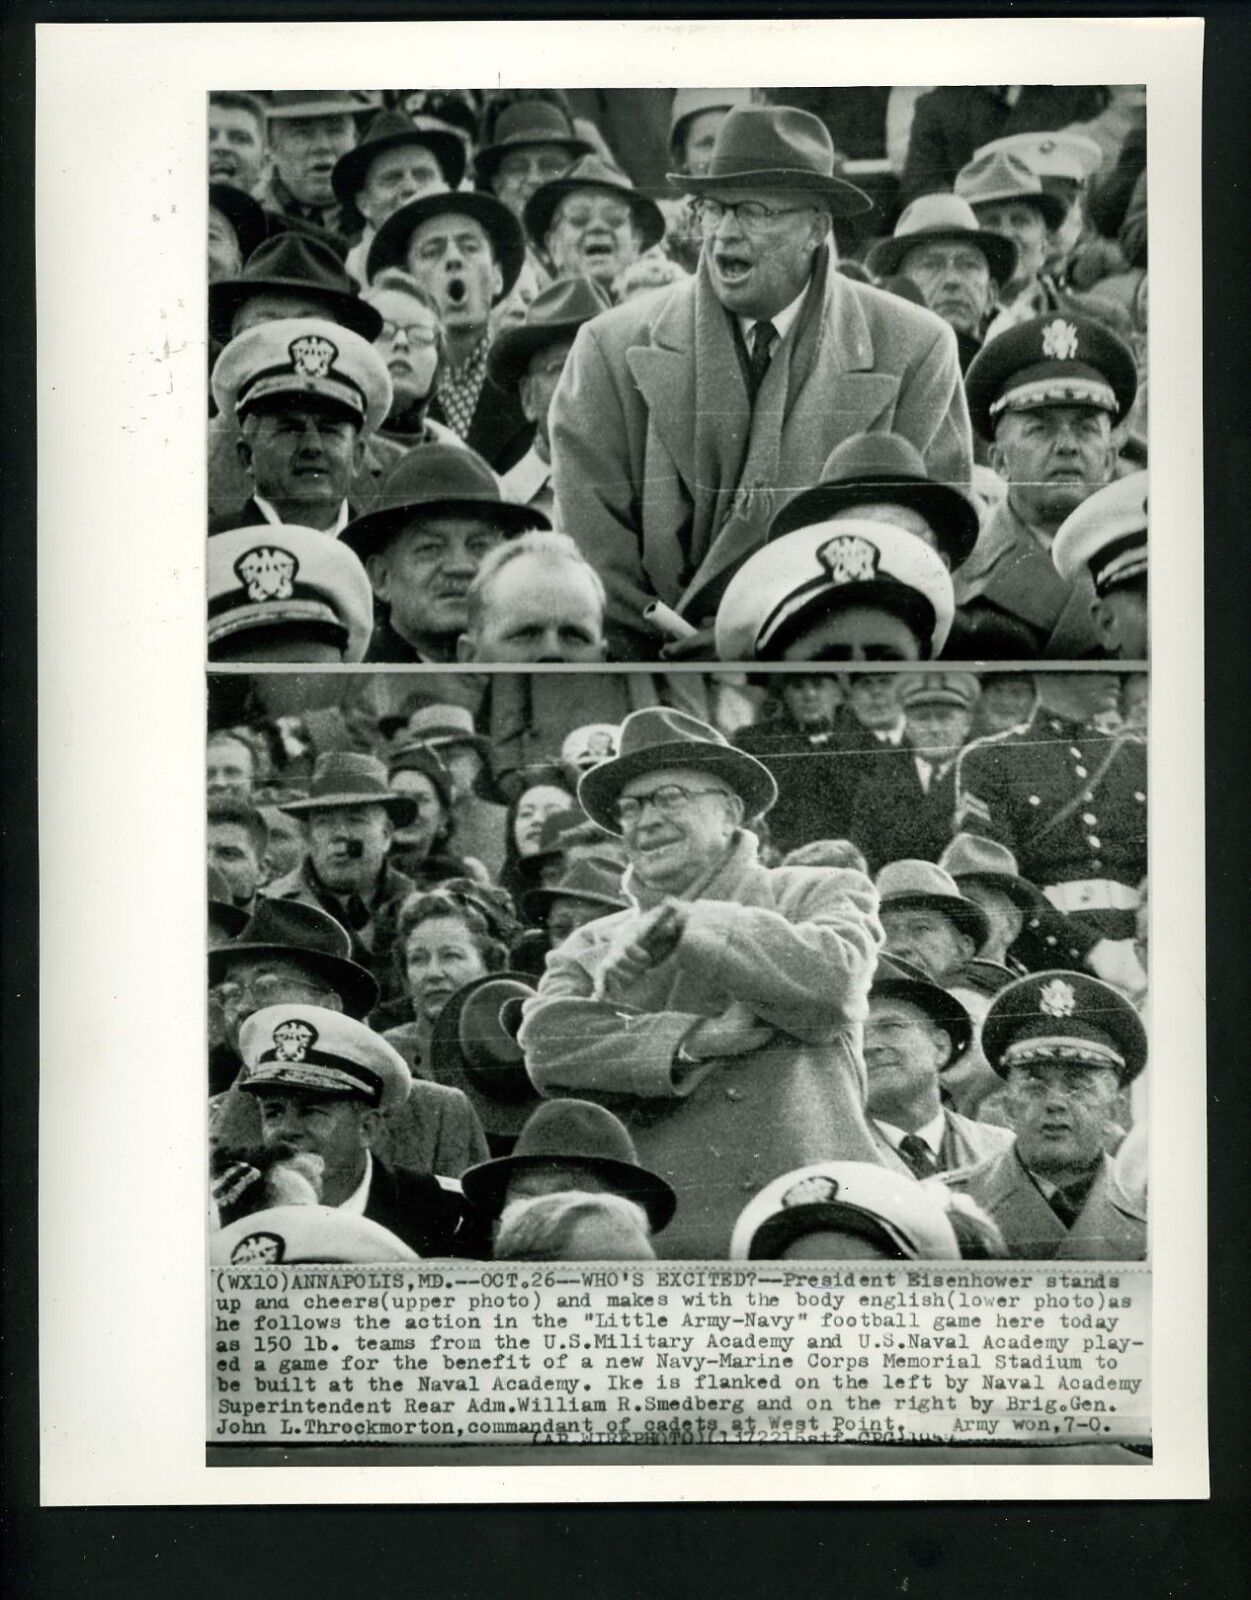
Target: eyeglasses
[[414, 333], [751, 215], [669, 799], [610, 213], [1075, 1084], [265, 992]]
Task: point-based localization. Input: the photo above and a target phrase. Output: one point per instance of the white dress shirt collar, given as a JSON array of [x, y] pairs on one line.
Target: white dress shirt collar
[[931, 1135], [781, 320], [271, 515]]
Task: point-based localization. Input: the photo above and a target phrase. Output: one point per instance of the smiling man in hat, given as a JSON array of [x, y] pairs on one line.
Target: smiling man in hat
[[958, 265], [306, 395], [1065, 1045], [351, 814], [466, 250], [720, 1014], [324, 1083], [916, 1031], [906, 801], [927, 921], [438, 514], [1049, 396], [394, 163], [529, 360], [684, 418]]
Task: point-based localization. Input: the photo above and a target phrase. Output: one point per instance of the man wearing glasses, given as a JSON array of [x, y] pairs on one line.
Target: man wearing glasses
[[720, 1014], [1066, 1045], [685, 419]]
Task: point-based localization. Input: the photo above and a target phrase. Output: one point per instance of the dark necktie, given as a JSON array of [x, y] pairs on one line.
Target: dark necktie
[[920, 1158], [763, 338]]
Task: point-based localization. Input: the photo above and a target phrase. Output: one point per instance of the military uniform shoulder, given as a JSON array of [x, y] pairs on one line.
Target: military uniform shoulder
[[989, 743]]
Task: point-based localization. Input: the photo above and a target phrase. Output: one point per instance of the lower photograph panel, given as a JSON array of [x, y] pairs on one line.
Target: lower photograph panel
[[782, 1019]]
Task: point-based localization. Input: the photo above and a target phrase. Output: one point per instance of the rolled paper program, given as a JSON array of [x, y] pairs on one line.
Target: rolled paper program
[[667, 621]]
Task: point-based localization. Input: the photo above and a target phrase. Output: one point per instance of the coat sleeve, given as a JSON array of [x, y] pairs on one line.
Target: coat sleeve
[[807, 971], [572, 1041], [933, 413], [982, 794], [595, 480]]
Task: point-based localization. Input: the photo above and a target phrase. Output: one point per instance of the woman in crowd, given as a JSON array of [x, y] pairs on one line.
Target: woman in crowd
[[546, 792], [412, 345], [445, 939], [426, 849]]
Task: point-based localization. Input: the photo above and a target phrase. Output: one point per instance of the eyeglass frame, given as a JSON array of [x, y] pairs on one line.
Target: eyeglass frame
[[665, 808], [759, 220]]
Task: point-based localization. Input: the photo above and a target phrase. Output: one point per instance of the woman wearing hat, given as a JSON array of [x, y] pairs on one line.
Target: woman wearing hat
[[426, 849]]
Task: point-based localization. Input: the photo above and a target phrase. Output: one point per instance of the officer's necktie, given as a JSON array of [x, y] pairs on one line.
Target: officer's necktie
[[763, 338], [918, 1155]]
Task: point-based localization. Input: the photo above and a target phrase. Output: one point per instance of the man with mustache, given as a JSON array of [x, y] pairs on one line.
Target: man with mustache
[[685, 418], [1066, 1045], [720, 1014], [439, 513], [467, 251], [1048, 397]]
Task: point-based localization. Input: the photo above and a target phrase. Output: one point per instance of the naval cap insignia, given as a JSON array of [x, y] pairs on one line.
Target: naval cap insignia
[[293, 1040], [850, 559], [1059, 340], [267, 573], [257, 1249], [811, 1191], [312, 355], [1057, 999]]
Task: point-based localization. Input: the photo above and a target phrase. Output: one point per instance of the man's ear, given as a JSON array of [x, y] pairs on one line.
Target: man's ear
[[379, 570], [968, 946], [525, 393], [244, 452], [995, 458], [1106, 627], [944, 1047], [466, 649], [358, 453], [370, 1125], [497, 281]]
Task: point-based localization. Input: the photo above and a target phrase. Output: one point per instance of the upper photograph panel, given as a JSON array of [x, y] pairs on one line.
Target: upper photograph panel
[[648, 375]]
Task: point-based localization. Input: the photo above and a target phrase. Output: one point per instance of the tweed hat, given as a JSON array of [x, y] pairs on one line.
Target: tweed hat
[[351, 778], [970, 858], [659, 736]]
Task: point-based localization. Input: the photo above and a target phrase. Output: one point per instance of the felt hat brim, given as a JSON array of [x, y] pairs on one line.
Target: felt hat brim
[[1028, 896], [401, 808], [952, 515], [390, 245], [356, 986], [943, 1009], [351, 170], [541, 206], [888, 255], [485, 1185], [499, 1113], [512, 350], [366, 535], [599, 788], [968, 917], [245, 215], [842, 199], [228, 294], [536, 903]]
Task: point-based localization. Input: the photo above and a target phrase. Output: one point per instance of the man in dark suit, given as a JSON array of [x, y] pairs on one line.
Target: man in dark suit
[[906, 803], [324, 1082]]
